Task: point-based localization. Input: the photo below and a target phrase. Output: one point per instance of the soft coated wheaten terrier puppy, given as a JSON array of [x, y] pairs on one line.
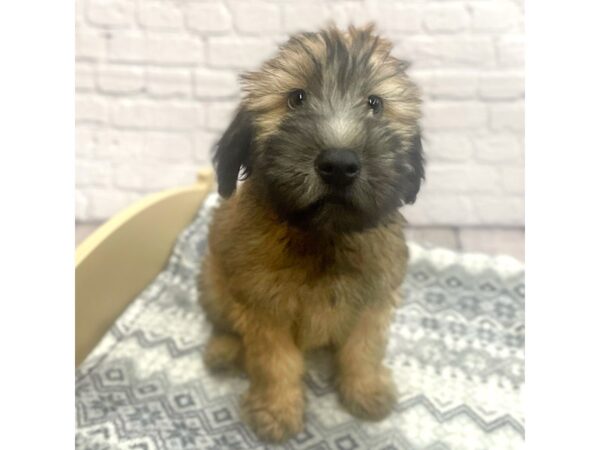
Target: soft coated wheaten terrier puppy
[[309, 249]]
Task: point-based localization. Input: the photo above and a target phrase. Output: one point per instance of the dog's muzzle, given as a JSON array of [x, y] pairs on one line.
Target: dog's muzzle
[[338, 167]]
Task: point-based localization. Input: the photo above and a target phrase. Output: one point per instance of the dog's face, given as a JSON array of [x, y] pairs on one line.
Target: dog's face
[[328, 132]]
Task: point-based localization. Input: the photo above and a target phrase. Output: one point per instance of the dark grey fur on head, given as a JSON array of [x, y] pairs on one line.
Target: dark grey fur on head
[[275, 138]]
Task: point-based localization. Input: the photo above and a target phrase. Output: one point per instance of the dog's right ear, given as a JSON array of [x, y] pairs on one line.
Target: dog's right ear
[[233, 152]]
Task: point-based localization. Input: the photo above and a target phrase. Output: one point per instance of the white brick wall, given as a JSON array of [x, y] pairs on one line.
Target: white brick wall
[[156, 82]]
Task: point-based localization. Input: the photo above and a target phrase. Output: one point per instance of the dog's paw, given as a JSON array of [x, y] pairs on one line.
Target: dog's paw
[[368, 397], [274, 418]]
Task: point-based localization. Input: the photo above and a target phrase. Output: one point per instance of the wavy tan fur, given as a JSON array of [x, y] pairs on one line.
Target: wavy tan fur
[[275, 289]]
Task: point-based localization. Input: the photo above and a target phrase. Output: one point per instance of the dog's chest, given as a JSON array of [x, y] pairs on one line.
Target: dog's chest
[[325, 315], [327, 290], [320, 325]]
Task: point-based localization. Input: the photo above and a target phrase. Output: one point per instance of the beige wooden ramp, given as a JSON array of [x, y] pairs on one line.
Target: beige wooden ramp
[[126, 253]]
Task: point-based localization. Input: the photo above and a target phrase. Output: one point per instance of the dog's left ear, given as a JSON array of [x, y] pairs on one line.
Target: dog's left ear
[[416, 174], [233, 152]]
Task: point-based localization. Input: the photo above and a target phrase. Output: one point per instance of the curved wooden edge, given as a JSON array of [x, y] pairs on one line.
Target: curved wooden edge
[[89, 244], [118, 260]]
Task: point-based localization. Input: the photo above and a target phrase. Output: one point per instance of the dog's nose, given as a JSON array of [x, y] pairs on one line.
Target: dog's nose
[[338, 167]]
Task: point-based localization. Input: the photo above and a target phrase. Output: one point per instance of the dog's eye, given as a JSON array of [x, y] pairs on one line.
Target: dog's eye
[[375, 103], [296, 98]]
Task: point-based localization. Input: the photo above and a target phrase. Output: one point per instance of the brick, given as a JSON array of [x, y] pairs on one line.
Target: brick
[[152, 176], [348, 13], [513, 180], [204, 142], [91, 141], [111, 13], [92, 173], [451, 209], [453, 85], [90, 108], [210, 83], [446, 18], [510, 116], [462, 178], [398, 17], [168, 176], [125, 47], [129, 175], [121, 79], [175, 50], [79, 14], [157, 115], [106, 202], [257, 17], [145, 145], [81, 205], [440, 209], [511, 51], [169, 50], [160, 16], [496, 16], [449, 51], [238, 52], [499, 210], [307, 15], [208, 17], [172, 147], [85, 141], [120, 144], [447, 147], [221, 114], [89, 45], [169, 82], [499, 148], [84, 77], [502, 86], [454, 115]]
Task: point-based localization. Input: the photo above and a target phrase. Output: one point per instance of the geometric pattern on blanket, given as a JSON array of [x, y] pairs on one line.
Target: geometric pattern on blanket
[[456, 350]]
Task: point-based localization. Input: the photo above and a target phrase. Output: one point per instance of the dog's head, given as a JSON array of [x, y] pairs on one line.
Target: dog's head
[[327, 131]]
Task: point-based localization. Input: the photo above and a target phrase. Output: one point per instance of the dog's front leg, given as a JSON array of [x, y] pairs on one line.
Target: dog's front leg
[[274, 403], [364, 383]]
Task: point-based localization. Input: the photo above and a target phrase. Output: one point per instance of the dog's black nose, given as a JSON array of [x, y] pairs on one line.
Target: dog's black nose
[[338, 167]]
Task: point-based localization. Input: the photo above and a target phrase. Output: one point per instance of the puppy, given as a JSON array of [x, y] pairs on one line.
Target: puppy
[[308, 250]]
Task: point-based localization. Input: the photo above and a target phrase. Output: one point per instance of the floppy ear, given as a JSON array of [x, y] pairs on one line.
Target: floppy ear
[[416, 174], [233, 152]]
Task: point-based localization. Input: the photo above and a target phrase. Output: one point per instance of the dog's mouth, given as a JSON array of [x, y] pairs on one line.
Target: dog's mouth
[[341, 202], [341, 198]]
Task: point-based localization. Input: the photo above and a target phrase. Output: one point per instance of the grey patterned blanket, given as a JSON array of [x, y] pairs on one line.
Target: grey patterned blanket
[[456, 350]]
